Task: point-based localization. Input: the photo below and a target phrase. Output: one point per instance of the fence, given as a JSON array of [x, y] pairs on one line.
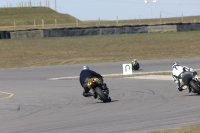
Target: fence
[[56, 23]]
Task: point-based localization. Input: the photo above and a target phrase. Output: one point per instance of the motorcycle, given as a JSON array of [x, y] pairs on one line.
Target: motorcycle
[[95, 85], [192, 81]]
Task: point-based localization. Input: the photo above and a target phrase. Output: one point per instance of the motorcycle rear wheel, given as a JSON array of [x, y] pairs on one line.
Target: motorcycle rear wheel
[[195, 87], [102, 95]]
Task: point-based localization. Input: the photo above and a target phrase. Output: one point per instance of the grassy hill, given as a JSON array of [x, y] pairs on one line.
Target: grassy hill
[[27, 15], [21, 18]]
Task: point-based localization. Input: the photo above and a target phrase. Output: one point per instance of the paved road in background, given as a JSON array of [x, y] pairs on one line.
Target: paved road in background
[[46, 106]]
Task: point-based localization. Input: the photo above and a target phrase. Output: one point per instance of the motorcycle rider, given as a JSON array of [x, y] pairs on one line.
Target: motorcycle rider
[[85, 75], [135, 65], [177, 70]]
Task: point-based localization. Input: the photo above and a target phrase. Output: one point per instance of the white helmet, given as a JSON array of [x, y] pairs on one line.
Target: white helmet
[[175, 64], [85, 68]]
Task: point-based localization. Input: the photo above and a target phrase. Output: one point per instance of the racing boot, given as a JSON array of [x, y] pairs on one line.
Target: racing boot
[[87, 94], [189, 90], [105, 88], [180, 89], [185, 87]]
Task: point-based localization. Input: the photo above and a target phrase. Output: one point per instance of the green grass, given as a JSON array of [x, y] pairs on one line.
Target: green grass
[[188, 129], [26, 16], [93, 49]]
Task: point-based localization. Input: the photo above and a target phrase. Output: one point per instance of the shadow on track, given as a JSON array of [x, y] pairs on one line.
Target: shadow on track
[[107, 102]]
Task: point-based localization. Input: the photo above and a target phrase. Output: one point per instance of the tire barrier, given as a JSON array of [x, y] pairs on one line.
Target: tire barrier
[[94, 31], [56, 32], [4, 35], [27, 34], [126, 29], [84, 32], [188, 27], [131, 29], [162, 28]]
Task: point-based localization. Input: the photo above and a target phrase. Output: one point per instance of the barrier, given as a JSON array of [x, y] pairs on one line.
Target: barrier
[[162, 28], [57, 32], [106, 31], [4, 35], [188, 27], [27, 34], [94, 31], [131, 29], [89, 31], [84, 31]]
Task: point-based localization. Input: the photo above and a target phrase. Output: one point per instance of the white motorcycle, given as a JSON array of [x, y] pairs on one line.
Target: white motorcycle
[[192, 81]]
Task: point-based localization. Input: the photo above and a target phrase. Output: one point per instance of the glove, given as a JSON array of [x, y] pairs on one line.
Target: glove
[[191, 69], [194, 73]]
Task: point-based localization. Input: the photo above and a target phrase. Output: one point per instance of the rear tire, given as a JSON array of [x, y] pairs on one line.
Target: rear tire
[[195, 87], [102, 95]]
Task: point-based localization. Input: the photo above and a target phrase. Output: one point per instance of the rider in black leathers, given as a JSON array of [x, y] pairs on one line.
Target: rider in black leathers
[[85, 75]]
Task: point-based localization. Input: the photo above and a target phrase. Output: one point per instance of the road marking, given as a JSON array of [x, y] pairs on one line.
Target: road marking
[[154, 77], [7, 93], [105, 75], [121, 74]]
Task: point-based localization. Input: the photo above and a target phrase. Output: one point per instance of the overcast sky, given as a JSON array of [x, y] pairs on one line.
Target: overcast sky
[[111, 9]]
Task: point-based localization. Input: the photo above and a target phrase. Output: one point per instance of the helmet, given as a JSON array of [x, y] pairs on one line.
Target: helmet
[[175, 64], [85, 68], [134, 60]]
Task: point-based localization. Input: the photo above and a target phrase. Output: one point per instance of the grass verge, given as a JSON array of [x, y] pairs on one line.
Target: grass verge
[[93, 49], [188, 129]]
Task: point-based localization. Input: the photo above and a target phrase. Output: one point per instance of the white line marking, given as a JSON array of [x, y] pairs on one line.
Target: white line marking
[[138, 73]]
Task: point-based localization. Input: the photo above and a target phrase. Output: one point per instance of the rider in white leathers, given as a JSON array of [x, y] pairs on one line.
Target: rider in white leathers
[[177, 70]]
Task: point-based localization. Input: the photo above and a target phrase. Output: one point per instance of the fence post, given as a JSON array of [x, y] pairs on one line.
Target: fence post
[[160, 17], [42, 23], [182, 17], [55, 23], [139, 19], [34, 24], [76, 22], [117, 19], [14, 25], [99, 21]]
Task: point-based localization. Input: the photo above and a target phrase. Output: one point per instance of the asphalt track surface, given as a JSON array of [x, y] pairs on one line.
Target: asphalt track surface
[[30, 103]]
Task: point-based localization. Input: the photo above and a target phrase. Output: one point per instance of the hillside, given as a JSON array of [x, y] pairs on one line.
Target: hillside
[[22, 18], [27, 15]]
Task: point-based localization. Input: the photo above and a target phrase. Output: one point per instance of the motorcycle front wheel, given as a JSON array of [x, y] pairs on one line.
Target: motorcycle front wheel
[[195, 87], [104, 97]]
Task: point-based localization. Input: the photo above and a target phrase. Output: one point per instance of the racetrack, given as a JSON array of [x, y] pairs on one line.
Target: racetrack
[[30, 103]]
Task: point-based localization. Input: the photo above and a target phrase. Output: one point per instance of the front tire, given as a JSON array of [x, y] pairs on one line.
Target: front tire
[[195, 87], [102, 95]]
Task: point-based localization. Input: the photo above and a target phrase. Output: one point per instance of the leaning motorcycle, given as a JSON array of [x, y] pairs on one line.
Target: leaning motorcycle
[[95, 85], [191, 80]]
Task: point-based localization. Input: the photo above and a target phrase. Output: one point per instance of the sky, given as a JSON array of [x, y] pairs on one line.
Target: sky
[[117, 9]]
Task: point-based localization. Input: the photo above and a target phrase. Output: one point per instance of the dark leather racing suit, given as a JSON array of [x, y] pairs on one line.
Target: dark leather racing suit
[[85, 75]]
